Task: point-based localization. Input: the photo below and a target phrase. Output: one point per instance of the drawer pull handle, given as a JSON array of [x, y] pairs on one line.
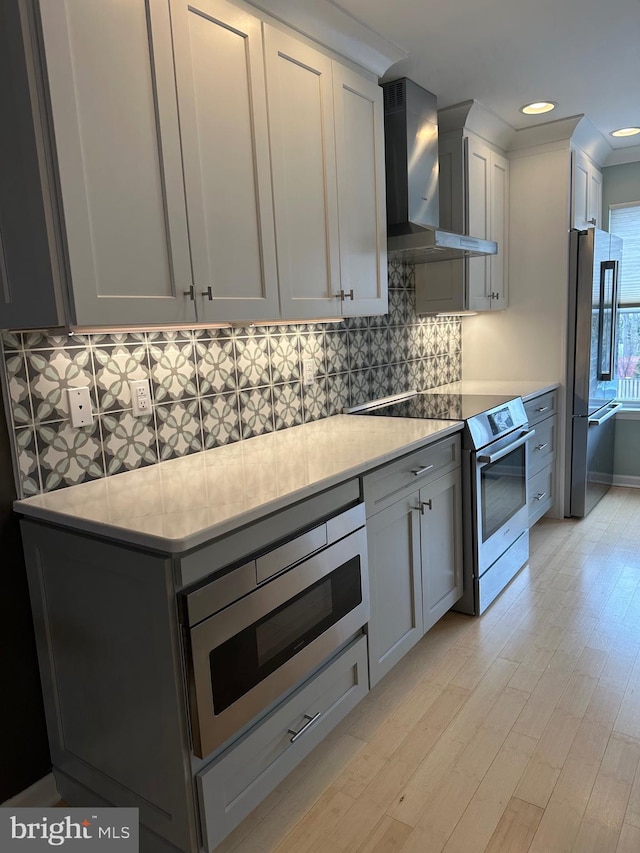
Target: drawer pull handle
[[422, 506], [540, 495], [542, 446], [542, 408], [417, 472], [310, 721]]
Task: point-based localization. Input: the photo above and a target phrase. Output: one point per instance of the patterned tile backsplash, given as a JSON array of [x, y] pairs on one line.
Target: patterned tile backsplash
[[209, 386]]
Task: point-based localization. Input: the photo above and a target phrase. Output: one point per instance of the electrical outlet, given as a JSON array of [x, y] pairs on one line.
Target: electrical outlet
[[308, 371], [140, 397], [80, 407]]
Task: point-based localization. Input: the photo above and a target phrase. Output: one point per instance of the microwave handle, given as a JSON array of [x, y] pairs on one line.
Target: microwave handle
[[500, 454]]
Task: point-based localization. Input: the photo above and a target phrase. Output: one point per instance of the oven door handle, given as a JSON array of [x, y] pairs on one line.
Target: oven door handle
[[500, 454]]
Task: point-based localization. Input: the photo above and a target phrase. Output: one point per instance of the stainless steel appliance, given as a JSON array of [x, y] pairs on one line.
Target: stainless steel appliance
[[591, 382], [495, 459], [260, 628], [411, 164]]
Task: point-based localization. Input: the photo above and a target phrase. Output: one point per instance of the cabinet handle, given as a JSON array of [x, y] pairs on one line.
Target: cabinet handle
[[208, 293], [495, 296], [592, 221], [417, 472], [310, 721], [540, 495], [541, 446], [191, 293], [346, 295], [542, 408], [422, 506]]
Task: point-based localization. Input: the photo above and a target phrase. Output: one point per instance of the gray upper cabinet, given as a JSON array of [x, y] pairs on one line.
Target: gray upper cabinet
[[113, 104], [223, 117], [300, 96]]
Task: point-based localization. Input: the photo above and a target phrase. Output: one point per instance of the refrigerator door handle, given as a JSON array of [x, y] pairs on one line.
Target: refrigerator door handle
[[611, 410], [606, 359]]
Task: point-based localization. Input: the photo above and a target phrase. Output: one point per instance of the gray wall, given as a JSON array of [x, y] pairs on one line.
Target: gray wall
[[619, 184], [622, 184]]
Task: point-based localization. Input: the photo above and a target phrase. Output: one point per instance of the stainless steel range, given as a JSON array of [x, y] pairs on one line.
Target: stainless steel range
[[495, 460]]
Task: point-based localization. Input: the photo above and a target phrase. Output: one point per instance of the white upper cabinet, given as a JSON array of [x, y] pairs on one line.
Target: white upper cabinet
[[327, 150], [586, 192], [179, 162], [474, 200], [487, 217], [223, 118], [361, 192], [113, 103], [300, 96]]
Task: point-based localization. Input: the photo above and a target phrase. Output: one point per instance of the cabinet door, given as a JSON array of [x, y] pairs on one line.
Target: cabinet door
[[395, 584], [580, 178], [478, 221], [301, 129], [30, 295], [223, 122], [441, 538], [595, 197], [361, 192], [113, 100], [499, 230]]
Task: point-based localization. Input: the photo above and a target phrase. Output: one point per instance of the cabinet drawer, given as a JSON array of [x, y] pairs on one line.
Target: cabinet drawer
[[541, 487], [381, 487], [542, 449], [541, 407], [234, 784]]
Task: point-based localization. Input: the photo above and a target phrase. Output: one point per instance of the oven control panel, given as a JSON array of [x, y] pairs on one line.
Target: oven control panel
[[486, 427]]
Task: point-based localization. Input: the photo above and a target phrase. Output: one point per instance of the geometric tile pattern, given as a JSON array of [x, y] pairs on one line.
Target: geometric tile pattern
[[209, 387]]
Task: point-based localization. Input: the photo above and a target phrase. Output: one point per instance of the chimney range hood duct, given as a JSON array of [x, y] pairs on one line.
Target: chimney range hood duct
[[411, 162]]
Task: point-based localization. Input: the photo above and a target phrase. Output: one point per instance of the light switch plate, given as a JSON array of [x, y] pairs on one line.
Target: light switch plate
[[80, 407]]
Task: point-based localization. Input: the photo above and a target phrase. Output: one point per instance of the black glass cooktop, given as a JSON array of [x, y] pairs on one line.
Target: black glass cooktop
[[453, 407]]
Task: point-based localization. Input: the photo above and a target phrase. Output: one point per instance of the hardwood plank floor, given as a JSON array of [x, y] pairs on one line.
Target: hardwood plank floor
[[518, 732]]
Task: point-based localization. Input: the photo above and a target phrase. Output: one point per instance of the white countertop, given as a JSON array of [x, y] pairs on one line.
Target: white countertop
[[525, 388], [180, 504]]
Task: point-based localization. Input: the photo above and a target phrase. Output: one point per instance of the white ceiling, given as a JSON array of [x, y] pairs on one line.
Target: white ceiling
[[583, 54]]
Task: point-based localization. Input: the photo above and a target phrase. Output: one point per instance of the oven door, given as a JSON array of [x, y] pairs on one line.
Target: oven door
[[502, 513], [249, 654]]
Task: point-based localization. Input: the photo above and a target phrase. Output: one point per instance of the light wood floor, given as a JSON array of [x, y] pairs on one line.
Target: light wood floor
[[518, 731]]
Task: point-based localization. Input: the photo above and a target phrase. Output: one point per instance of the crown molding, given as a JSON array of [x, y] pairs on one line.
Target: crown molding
[[474, 116], [332, 27]]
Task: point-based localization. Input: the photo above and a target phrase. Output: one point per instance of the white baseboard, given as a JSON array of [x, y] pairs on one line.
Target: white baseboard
[[626, 480], [42, 793]]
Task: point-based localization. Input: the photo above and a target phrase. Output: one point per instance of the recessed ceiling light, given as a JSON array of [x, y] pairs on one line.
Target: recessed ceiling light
[[538, 107], [625, 131]]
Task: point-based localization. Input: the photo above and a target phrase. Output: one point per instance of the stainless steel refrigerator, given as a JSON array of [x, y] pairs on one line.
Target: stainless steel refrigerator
[[595, 258]]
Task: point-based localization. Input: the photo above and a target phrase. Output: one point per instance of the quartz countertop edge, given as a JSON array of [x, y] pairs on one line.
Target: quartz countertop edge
[[180, 504], [527, 389]]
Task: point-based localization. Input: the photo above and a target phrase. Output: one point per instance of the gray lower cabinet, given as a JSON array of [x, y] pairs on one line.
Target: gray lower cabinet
[[234, 784], [542, 416], [414, 537], [116, 666], [395, 584], [441, 538]]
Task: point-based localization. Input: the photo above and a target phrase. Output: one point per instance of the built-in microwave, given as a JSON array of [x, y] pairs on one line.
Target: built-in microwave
[[262, 627]]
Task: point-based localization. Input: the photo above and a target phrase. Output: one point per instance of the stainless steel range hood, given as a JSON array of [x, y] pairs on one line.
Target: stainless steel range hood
[[411, 161]]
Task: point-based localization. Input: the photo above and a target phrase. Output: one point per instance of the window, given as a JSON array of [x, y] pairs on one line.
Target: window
[[624, 220]]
